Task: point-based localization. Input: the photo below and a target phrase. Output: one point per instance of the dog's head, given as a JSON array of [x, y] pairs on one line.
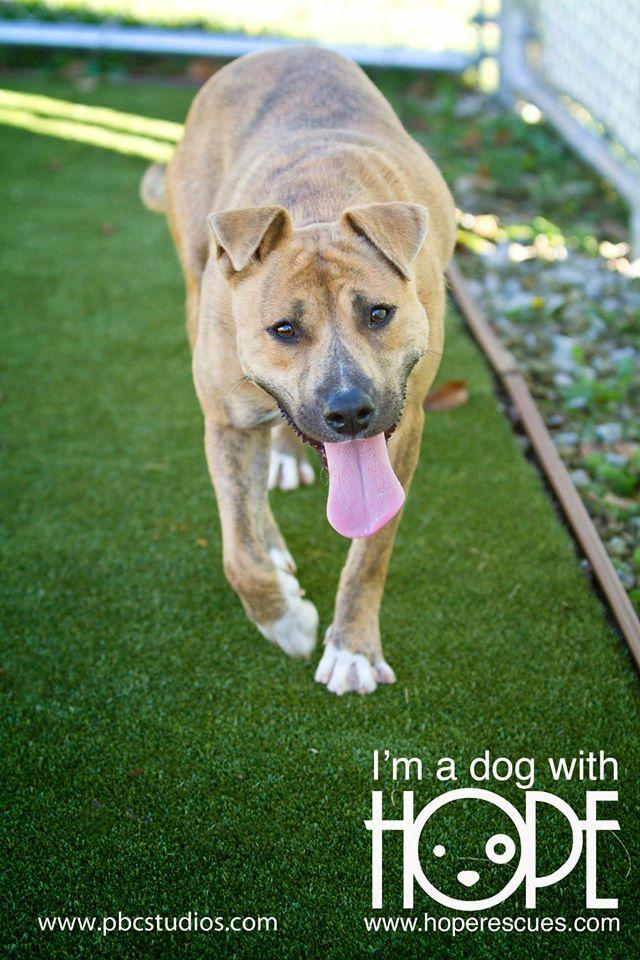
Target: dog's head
[[328, 317]]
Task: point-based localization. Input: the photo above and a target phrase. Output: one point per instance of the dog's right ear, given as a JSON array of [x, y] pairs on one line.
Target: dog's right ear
[[247, 235]]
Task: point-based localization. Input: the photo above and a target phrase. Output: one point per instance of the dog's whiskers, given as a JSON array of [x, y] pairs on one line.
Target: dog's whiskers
[[237, 384]]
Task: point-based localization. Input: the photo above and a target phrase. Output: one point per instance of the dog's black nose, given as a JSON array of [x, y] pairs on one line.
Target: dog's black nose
[[348, 411]]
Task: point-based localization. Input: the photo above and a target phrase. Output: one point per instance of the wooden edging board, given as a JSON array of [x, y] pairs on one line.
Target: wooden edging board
[[570, 500]]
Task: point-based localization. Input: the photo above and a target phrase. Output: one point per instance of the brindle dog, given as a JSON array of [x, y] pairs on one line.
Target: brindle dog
[[313, 233]]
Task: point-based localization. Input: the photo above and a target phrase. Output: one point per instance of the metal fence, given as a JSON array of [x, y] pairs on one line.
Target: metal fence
[[453, 30], [579, 62]]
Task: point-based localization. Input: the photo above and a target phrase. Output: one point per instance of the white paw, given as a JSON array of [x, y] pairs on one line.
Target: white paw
[[296, 630], [342, 671], [288, 472], [282, 560]]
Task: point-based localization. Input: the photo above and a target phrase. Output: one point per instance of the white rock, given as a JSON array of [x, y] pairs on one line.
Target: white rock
[[609, 432], [580, 478], [562, 352]]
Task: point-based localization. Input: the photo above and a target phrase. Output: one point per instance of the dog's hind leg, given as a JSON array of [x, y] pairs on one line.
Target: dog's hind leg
[[353, 658], [288, 464], [192, 281], [192, 255], [256, 561]]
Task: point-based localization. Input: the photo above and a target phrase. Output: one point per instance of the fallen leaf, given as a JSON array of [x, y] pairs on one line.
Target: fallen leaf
[[626, 448], [470, 140], [200, 69], [201, 542], [501, 137], [451, 394]]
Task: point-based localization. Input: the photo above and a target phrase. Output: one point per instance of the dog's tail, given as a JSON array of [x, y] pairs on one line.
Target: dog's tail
[[152, 188]]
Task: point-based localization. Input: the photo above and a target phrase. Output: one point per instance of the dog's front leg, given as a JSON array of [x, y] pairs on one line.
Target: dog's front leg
[[353, 658], [256, 561]]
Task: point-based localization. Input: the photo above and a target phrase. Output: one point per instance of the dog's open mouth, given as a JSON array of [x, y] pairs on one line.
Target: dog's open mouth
[[364, 492]]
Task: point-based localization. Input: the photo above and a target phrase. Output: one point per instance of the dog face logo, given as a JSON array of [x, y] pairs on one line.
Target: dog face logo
[[328, 319], [468, 851], [499, 849]]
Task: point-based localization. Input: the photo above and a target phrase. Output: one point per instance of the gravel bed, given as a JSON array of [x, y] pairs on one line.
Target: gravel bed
[[572, 321]]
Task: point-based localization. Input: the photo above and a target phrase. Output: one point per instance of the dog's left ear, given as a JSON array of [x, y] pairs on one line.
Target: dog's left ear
[[396, 229], [248, 234]]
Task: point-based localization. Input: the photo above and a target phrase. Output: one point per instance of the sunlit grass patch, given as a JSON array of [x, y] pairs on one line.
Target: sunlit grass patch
[[98, 126]]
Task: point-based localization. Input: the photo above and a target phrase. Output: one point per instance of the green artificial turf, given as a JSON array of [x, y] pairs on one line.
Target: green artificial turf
[[158, 756]]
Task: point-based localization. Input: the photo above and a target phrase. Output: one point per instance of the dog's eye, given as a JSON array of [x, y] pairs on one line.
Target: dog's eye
[[379, 315], [284, 330]]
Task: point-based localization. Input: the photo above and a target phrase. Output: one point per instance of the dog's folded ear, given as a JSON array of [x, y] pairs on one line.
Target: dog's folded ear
[[396, 229], [241, 236]]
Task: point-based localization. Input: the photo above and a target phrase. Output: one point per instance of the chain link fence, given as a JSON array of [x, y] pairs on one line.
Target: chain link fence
[[590, 50], [579, 61]]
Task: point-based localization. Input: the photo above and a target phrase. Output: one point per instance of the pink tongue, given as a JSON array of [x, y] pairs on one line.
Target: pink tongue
[[364, 492]]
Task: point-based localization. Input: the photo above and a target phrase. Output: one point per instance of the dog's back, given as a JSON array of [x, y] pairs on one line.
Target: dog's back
[[304, 128]]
